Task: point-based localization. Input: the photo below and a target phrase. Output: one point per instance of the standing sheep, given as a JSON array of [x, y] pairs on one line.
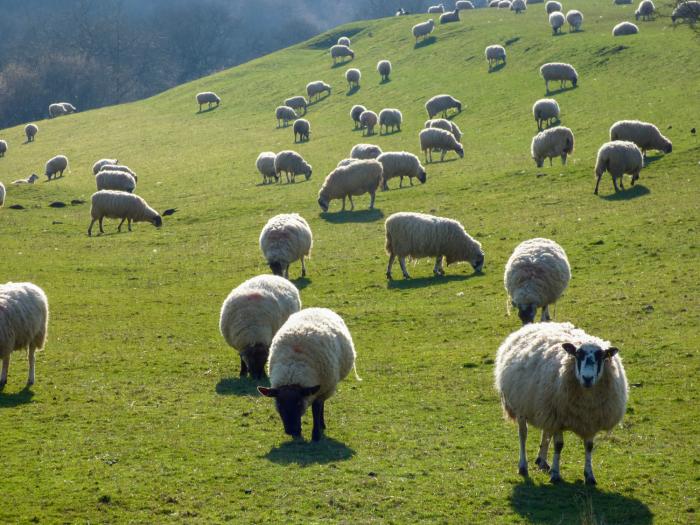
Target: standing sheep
[[56, 110], [545, 110], [2, 194], [689, 11], [98, 165], [3, 148], [575, 19], [495, 54], [436, 9], [353, 77], [365, 151], [518, 6], [556, 20], [445, 124], [390, 118], [536, 275], [550, 143], [558, 71], [463, 5], [438, 139], [284, 114], [309, 356], [418, 235], [441, 104], [552, 6], [557, 377], [284, 239], [401, 164], [624, 29], [368, 119], [115, 180], [121, 205], [208, 98], [291, 163], [355, 113], [423, 29], [338, 51], [449, 16], [297, 103], [357, 178], [265, 164], [618, 157], [302, 127], [251, 316], [30, 130], [644, 134], [57, 164], [645, 11], [384, 69], [24, 319], [343, 41], [315, 88]]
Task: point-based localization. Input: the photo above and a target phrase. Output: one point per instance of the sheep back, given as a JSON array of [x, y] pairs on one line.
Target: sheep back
[[54, 165], [115, 180], [24, 317], [625, 28], [365, 151], [98, 165], [401, 164], [440, 104], [644, 134], [553, 142], [286, 238]]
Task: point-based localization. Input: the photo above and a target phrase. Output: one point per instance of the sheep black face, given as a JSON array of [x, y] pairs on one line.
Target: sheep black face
[[157, 221], [422, 177], [590, 360], [527, 313], [574, 82], [291, 403], [478, 263], [460, 152], [253, 359], [277, 268], [323, 204], [307, 176], [668, 147]]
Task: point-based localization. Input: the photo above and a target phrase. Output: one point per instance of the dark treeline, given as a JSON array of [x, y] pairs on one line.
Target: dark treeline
[[94, 53]]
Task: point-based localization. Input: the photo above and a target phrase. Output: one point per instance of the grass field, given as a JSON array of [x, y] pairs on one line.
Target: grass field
[[138, 414]]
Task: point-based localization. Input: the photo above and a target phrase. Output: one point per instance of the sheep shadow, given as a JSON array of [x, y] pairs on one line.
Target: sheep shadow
[[22, 397], [316, 101], [302, 141], [350, 92], [340, 64], [206, 110], [560, 33], [576, 503], [497, 68], [342, 217], [442, 161], [425, 42], [240, 386], [303, 453], [560, 90], [301, 282], [384, 81], [422, 282], [649, 159], [387, 132], [630, 193]]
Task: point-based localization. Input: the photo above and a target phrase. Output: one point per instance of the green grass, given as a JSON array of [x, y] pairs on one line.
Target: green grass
[[137, 414]]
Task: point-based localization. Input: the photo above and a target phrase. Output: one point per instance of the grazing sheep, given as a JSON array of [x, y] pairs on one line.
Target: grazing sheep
[[552, 6], [575, 19], [368, 119], [423, 29], [445, 124], [390, 118], [115, 180], [624, 29], [449, 16], [338, 51], [365, 151], [302, 127], [56, 110], [618, 157], [353, 77], [251, 316], [3, 148], [418, 235], [644, 134], [688, 11], [29, 180], [557, 377], [297, 103], [2, 195], [284, 114], [57, 164], [343, 41], [208, 98], [441, 140], [356, 178], [436, 9], [550, 143], [30, 130], [315, 88], [645, 11], [558, 71], [355, 113], [121, 205], [24, 319], [119, 167], [310, 354], [518, 6], [556, 20], [495, 54], [284, 239], [536, 275], [98, 165], [441, 104], [400, 164], [68, 107], [504, 4], [384, 69], [545, 110], [463, 5], [265, 163], [291, 163]]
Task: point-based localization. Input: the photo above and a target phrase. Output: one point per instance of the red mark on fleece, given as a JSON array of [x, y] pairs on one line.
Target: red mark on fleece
[[254, 297], [298, 349]]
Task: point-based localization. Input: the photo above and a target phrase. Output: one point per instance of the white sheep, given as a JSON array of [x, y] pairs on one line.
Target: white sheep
[[423, 29], [121, 205], [645, 11], [115, 180], [552, 6], [575, 19], [356, 178], [284, 114], [558, 71], [353, 77], [98, 165], [56, 165], [368, 119], [445, 124], [302, 127], [344, 41], [618, 157], [384, 69], [557, 20], [494, 3], [441, 104], [495, 54], [30, 130], [463, 5], [24, 319], [315, 88], [536, 275], [624, 29], [436, 9], [340, 51], [390, 118], [3, 148], [441, 140], [557, 377], [545, 110], [297, 103], [284, 239], [2, 194], [355, 113], [418, 235], [504, 4], [689, 11], [265, 164], [252, 314], [553, 142], [119, 167], [518, 6], [56, 110], [309, 356], [401, 164], [449, 16], [29, 180], [292, 164], [644, 134], [209, 98], [365, 151]]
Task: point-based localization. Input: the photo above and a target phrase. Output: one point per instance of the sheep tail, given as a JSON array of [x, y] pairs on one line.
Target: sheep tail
[[354, 369]]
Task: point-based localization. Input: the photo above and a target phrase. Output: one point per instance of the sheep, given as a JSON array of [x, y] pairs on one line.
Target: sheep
[[302, 127], [284, 114], [209, 98], [121, 205], [265, 164], [550, 143], [115, 180], [291, 163], [353, 77], [439, 139], [400, 164], [624, 29], [365, 151], [622, 2], [495, 54], [286, 238], [252, 314], [618, 157], [384, 69], [68, 107], [418, 235], [440, 104], [309, 356], [556, 20], [3, 148], [423, 29], [575, 19], [24, 319], [545, 110], [557, 377], [29, 180], [356, 178], [56, 110], [2, 195], [504, 4], [518, 6], [494, 3], [119, 167], [536, 275], [558, 71], [297, 103], [645, 11], [463, 4], [368, 119], [338, 51], [445, 124], [390, 118], [689, 11], [449, 16], [645, 135], [355, 113], [30, 130], [98, 165], [552, 6], [436, 9], [54, 165], [315, 88], [343, 41]]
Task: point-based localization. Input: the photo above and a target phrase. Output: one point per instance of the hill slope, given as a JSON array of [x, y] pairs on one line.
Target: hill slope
[[138, 414]]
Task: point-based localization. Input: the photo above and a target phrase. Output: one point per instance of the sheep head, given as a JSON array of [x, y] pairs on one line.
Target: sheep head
[[590, 361], [291, 402]]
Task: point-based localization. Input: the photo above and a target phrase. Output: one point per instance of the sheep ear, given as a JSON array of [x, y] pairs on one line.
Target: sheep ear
[[267, 392], [611, 352], [570, 349], [308, 391]]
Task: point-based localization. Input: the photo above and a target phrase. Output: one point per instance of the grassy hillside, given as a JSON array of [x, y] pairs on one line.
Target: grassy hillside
[[138, 414]]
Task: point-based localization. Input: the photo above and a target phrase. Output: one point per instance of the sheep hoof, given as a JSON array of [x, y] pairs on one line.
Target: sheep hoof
[[2, 384], [523, 472], [406, 276], [555, 477], [388, 275], [590, 479], [542, 465]]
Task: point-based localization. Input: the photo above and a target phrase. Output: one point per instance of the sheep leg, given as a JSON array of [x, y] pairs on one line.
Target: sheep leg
[[595, 192], [286, 272], [546, 85], [128, 223], [371, 200], [522, 434], [119, 228], [343, 208], [352, 204], [388, 266], [541, 460], [5, 367], [588, 469], [622, 186], [101, 228], [32, 360], [442, 155], [90, 228], [554, 475], [244, 369], [545, 314], [317, 411], [402, 262], [437, 269], [303, 267]]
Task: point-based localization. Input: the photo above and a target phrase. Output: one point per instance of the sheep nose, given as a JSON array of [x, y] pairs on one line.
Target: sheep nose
[[587, 381]]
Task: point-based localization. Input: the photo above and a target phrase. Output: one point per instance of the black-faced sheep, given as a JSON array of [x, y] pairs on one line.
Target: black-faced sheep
[[440, 140], [368, 119], [644, 134], [124, 206], [423, 29], [208, 98], [30, 130], [384, 69], [624, 29], [55, 166], [390, 118], [441, 104], [401, 164], [284, 239], [618, 157], [315, 88], [545, 111], [302, 128], [356, 178], [355, 113], [558, 71], [292, 164], [550, 143], [284, 114], [265, 164]]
